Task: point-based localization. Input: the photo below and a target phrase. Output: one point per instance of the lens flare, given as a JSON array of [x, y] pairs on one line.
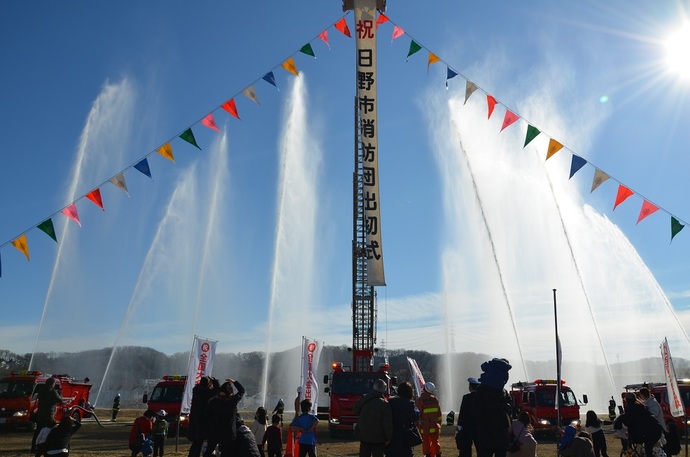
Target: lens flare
[[678, 52]]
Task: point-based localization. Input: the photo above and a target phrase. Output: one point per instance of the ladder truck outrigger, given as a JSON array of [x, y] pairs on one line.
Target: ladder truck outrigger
[[346, 384]]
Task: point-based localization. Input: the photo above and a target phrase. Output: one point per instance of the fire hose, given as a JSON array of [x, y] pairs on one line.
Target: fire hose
[[88, 411]]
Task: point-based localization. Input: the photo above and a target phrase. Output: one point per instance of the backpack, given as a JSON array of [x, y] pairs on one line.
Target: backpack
[[146, 447]]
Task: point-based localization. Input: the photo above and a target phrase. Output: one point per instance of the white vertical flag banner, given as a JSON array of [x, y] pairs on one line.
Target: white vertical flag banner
[[365, 27], [417, 377], [675, 402], [200, 365], [311, 352]]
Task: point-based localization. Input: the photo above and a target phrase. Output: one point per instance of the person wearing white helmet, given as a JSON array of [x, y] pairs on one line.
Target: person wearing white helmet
[[430, 420]]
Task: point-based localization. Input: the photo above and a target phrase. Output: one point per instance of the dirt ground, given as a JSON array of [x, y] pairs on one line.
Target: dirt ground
[[111, 440]]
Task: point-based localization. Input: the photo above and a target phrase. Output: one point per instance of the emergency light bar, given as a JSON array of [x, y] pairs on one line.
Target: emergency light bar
[[25, 373], [174, 377], [548, 381]]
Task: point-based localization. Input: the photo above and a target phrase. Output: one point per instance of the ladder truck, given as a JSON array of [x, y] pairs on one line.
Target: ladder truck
[[347, 383]]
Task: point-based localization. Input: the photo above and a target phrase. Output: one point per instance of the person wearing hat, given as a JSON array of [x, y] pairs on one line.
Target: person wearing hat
[[430, 420], [492, 409], [222, 418], [375, 423], [116, 406], [160, 431], [467, 421], [197, 431], [48, 399]]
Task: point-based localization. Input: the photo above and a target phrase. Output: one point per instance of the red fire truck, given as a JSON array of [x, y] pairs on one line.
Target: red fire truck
[[658, 389], [538, 399], [168, 395], [19, 396]]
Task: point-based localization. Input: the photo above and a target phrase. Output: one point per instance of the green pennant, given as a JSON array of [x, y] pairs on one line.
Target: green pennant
[[414, 47], [676, 227], [532, 133], [306, 49], [188, 136], [47, 227]]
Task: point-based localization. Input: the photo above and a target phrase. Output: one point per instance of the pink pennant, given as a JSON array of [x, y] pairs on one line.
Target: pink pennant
[[509, 119], [647, 209], [324, 37], [209, 122], [71, 212], [397, 32], [95, 196], [381, 19], [341, 25], [231, 108], [623, 194], [492, 104]]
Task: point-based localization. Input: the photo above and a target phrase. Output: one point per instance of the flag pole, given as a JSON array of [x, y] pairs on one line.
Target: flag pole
[[558, 363]]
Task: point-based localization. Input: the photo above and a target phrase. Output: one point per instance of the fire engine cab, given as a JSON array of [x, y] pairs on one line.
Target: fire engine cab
[[658, 389], [538, 399], [345, 387], [168, 395], [19, 396]]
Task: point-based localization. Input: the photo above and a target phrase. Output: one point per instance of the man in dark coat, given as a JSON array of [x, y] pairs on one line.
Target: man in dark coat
[[221, 413], [375, 425], [467, 421], [48, 399], [493, 408], [198, 426]]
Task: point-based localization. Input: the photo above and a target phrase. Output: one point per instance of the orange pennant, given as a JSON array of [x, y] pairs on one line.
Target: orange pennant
[[290, 66], [166, 151], [647, 209], [623, 194], [95, 196], [433, 58], [231, 108], [554, 147], [21, 244]]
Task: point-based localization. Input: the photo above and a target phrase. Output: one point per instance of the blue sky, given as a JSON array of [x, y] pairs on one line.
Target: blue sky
[[89, 89]]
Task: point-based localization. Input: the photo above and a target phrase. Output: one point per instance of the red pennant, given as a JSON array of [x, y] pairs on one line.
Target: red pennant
[[381, 19], [71, 212], [209, 122], [341, 25], [509, 119], [623, 194], [95, 196], [231, 108], [397, 32], [324, 37], [492, 104], [647, 209]]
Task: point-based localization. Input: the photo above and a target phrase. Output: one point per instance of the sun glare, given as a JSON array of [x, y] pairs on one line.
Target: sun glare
[[678, 52]]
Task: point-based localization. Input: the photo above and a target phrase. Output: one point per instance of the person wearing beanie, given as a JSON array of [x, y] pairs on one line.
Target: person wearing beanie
[[430, 420], [493, 409], [375, 424], [466, 434], [495, 373]]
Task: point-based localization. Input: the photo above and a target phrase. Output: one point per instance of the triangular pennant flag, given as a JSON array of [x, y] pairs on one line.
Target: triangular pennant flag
[[271, 79], [575, 164], [95, 196], [231, 108], [491, 103], [48, 228], [414, 47], [397, 32], [623, 194], [166, 151], [554, 147], [210, 122], [250, 93], [188, 136], [470, 87], [341, 25], [532, 133], [119, 182], [509, 119], [381, 19], [450, 74], [433, 58], [21, 244], [599, 178], [143, 167], [324, 37], [676, 227], [647, 209], [71, 212], [289, 65], [307, 49]]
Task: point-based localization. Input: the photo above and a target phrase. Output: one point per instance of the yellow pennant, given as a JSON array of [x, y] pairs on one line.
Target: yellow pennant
[[554, 147], [21, 244], [290, 66], [166, 151]]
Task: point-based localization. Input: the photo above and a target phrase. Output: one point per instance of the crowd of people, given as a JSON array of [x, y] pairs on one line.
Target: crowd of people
[[391, 423]]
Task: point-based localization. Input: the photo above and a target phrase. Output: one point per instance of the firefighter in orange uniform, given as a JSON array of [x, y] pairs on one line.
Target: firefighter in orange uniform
[[430, 420]]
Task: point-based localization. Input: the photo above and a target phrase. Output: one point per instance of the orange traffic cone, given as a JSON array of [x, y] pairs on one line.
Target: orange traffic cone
[[288, 446], [296, 446]]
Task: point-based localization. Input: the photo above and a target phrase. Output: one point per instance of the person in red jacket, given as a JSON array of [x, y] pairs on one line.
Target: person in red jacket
[[429, 420], [143, 425]]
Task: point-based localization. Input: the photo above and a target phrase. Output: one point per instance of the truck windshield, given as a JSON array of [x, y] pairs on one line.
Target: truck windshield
[[349, 383], [167, 394], [15, 389], [547, 398]]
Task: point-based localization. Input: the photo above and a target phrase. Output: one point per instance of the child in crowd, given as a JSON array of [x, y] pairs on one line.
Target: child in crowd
[[160, 431], [273, 438], [306, 424], [258, 428], [593, 427]]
